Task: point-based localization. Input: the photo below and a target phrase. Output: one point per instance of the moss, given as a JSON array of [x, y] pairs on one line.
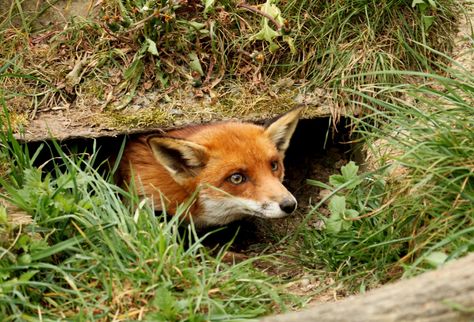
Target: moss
[[92, 89], [246, 102], [145, 118], [18, 121], [183, 109]]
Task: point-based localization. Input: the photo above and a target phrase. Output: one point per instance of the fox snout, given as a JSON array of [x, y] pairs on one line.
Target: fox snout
[[288, 205], [277, 208], [225, 208]]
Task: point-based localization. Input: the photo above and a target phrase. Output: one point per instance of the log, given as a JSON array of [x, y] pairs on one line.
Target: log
[[446, 294]]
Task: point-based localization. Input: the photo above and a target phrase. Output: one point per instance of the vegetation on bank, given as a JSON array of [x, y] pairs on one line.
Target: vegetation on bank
[[123, 50], [412, 209], [91, 250]]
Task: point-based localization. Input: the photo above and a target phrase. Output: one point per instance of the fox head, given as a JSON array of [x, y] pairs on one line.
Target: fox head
[[236, 168]]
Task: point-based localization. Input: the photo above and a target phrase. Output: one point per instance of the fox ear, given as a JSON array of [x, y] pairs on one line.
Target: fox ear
[[282, 129], [181, 158]]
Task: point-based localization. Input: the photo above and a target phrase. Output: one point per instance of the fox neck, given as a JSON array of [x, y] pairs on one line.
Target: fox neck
[[186, 196]]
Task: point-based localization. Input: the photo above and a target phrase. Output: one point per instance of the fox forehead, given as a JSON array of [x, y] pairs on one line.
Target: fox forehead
[[238, 144]]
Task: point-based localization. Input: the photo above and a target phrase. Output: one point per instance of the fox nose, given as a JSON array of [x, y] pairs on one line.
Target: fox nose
[[288, 205]]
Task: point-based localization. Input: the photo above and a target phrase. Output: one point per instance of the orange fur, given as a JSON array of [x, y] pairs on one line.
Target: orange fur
[[229, 148]]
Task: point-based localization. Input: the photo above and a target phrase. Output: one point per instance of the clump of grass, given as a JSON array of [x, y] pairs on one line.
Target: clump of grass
[[94, 251], [414, 209], [348, 38]]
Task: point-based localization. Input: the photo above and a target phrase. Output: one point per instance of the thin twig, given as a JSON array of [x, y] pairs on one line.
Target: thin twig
[[6, 251], [140, 23], [118, 37], [264, 14], [209, 71]]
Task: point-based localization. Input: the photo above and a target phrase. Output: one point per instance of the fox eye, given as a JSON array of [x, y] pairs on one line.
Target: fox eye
[[237, 178], [274, 165]]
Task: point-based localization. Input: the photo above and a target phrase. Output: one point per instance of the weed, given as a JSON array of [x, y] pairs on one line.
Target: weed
[[414, 209]]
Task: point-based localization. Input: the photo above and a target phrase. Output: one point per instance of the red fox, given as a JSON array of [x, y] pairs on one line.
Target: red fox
[[232, 169]]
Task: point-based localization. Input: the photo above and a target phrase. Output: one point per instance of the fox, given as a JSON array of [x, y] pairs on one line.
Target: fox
[[226, 171]]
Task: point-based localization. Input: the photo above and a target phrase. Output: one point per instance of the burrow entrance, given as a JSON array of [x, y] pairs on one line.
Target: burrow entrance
[[317, 150]]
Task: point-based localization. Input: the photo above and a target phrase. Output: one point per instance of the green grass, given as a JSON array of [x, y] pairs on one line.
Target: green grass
[[94, 251], [413, 209]]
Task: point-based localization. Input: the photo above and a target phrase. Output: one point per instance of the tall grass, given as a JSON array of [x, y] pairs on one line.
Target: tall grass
[[94, 251], [413, 208]]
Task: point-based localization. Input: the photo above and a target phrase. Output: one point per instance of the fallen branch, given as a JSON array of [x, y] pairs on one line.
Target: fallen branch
[[446, 294]]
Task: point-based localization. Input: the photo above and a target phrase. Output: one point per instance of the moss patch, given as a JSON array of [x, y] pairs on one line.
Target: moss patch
[[145, 118]]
